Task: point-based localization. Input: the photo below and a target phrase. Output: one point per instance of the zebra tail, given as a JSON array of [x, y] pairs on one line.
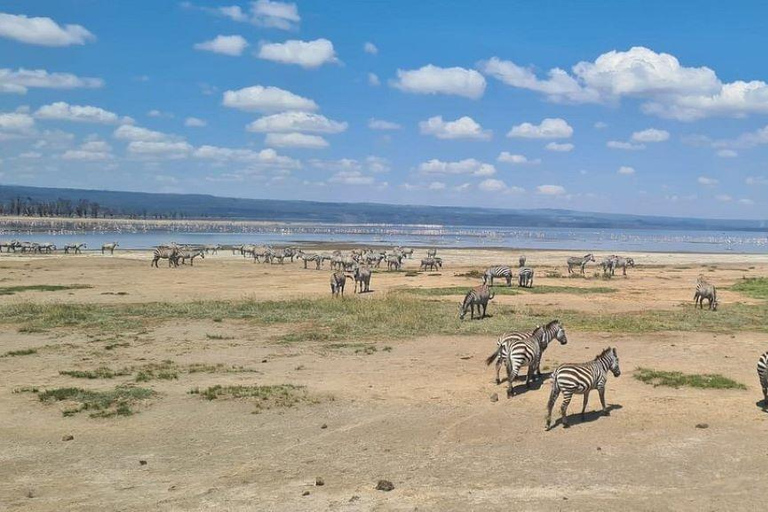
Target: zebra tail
[[493, 356]]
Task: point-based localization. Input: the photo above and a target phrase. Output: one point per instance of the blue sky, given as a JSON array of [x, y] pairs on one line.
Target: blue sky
[[630, 107]]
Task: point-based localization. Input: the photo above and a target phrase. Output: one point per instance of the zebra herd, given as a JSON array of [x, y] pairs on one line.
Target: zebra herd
[[50, 248], [479, 296], [521, 348]]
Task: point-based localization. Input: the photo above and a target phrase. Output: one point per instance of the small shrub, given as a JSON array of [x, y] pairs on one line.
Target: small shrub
[[22, 352], [679, 379], [104, 404]]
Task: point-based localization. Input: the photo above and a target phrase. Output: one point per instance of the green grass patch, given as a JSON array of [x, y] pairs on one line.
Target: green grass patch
[[11, 290], [679, 379], [22, 352], [514, 290], [102, 404], [99, 373], [219, 337], [474, 274], [265, 397], [755, 287]]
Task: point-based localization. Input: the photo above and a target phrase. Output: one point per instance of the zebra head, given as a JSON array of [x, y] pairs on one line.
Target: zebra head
[[630, 262], [560, 333], [613, 361], [589, 257], [462, 310], [715, 303]]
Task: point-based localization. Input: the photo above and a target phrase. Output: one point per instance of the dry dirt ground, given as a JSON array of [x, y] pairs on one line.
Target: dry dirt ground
[[416, 412]]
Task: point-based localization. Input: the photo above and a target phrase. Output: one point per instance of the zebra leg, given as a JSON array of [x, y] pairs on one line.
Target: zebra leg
[[765, 397], [567, 395], [601, 392], [529, 376], [552, 399], [498, 369], [584, 408], [511, 375]]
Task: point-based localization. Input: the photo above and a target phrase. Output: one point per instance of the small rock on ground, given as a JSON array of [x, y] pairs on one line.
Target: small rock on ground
[[495, 397], [68, 437], [702, 425], [385, 485], [319, 481]]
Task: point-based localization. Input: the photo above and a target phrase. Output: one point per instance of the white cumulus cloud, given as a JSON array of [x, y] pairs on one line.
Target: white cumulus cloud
[[727, 153], [194, 122], [468, 166], [21, 80], [295, 140], [62, 111], [431, 79], [42, 31], [548, 129], [550, 190], [225, 45], [560, 148], [379, 124], [373, 80], [462, 128], [626, 170], [627, 146], [266, 158], [650, 135], [707, 182], [369, 47], [307, 54], [281, 15], [137, 133], [267, 99], [510, 158], [296, 122]]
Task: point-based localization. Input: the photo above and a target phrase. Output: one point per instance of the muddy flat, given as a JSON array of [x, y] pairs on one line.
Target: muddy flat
[[352, 408]]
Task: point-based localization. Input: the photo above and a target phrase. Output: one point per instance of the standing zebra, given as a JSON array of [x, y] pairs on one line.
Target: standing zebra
[[394, 262], [579, 262], [338, 280], [165, 253], [704, 290], [521, 261], [109, 247], [431, 253], [528, 352], [525, 278], [477, 296], [310, 257], [499, 271], [431, 264], [762, 373], [622, 263], [580, 379], [190, 255], [363, 278], [75, 248]]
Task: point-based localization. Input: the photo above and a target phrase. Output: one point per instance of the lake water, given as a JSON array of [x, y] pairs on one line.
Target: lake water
[[576, 239]]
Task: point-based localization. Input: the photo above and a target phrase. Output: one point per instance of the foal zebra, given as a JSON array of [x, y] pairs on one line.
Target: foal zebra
[[527, 351], [477, 296], [704, 290], [109, 247], [762, 373], [525, 278], [579, 262], [499, 271], [580, 379]]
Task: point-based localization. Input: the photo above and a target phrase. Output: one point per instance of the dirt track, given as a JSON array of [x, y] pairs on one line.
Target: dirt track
[[419, 415]]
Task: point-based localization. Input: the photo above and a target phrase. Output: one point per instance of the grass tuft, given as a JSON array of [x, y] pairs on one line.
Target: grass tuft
[[103, 404], [99, 373], [22, 352], [11, 290], [755, 287], [679, 379], [265, 397]]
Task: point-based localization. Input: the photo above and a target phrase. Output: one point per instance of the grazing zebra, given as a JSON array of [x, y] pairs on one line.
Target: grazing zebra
[[109, 247], [579, 262], [521, 261], [190, 255], [704, 290], [165, 253], [431, 264], [525, 278], [528, 351], [476, 297], [499, 271], [762, 373], [338, 280], [75, 248], [622, 263], [394, 262], [363, 278], [374, 259], [607, 264], [431, 253], [581, 379]]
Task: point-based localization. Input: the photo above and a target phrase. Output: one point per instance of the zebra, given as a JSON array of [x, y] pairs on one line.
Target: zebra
[[394, 262], [363, 278], [190, 255], [499, 271], [525, 278], [212, 249], [607, 264], [374, 259], [109, 247], [528, 351], [521, 261], [47, 247], [579, 262], [164, 252], [75, 248], [762, 373], [310, 257], [431, 264], [338, 280], [622, 263], [407, 251], [704, 290], [10, 246], [477, 296], [431, 253], [581, 379]]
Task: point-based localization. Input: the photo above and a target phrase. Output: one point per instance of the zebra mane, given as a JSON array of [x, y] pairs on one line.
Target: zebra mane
[[604, 353], [550, 324]]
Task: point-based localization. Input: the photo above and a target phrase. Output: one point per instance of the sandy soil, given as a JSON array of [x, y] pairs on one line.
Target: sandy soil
[[419, 414]]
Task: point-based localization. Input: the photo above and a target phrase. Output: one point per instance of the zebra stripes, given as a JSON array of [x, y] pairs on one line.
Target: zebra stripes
[[522, 261], [476, 297], [165, 253], [704, 290], [499, 271], [525, 278], [579, 262], [581, 379], [109, 247], [363, 279], [338, 280], [762, 373], [528, 351]]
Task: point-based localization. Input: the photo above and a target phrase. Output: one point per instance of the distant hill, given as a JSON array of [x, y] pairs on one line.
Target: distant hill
[[211, 207]]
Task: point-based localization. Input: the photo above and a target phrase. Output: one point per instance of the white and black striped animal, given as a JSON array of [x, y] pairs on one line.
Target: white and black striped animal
[[212, 248], [75, 248], [581, 379], [431, 253], [527, 351], [363, 279], [704, 290], [190, 254], [306, 257], [525, 278], [431, 264], [46, 247], [109, 247], [607, 264], [521, 261], [477, 297], [762, 373], [394, 262], [622, 263], [582, 261], [338, 280], [499, 271], [169, 253]]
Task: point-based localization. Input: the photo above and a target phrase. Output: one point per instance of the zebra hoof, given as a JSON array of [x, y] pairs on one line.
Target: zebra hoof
[[566, 425], [498, 381]]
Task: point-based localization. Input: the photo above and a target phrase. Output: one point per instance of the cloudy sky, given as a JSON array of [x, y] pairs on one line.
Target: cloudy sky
[[650, 107]]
